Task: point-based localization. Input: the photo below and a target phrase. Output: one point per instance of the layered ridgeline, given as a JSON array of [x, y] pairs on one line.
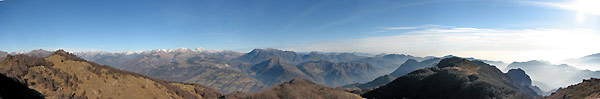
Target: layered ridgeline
[[231, 71], [206, 67], [64, 75], [550, 77], [590, 61], [588, 89], [407, 67], [454, 78]]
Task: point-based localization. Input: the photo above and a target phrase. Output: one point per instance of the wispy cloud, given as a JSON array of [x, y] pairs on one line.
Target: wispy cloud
[[497, 44], [583, 6], [412, 27]]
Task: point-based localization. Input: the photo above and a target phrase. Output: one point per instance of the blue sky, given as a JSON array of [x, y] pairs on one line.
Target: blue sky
[[301, 25]]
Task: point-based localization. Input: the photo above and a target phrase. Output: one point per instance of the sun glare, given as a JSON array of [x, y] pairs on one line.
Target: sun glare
[[584, 8]]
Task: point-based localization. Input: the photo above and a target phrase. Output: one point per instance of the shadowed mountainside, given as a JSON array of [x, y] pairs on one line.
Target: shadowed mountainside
[[453, 78], [13, 89]]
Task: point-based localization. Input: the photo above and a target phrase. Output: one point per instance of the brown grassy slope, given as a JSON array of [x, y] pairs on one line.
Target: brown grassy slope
[[63, 75], [588, 89], [298, 89]]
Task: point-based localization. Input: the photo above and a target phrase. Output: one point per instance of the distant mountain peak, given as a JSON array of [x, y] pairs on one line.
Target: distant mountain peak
[[411, 60]]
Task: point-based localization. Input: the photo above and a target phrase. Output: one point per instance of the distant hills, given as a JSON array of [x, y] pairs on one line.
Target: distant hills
[[588, 62]]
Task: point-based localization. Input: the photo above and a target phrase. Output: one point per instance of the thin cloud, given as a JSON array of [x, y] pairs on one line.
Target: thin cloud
[[413, 27], [497, 44], [583, 8]]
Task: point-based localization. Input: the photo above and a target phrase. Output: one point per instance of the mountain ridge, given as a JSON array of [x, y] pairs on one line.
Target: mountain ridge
[[455, 78]]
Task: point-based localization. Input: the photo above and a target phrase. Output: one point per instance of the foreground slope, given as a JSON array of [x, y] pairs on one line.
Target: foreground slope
[[298, 89], [63, 75], [588, 89], [453, 78]]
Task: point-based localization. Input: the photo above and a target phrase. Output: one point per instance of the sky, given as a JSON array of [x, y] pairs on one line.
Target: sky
[[506, 30]]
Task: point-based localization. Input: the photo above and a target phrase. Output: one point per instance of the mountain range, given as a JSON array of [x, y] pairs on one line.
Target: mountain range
[[273, 73], [250, 72], [64, 75]]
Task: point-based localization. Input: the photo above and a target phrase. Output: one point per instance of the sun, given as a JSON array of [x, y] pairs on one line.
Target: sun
[[583, 8]]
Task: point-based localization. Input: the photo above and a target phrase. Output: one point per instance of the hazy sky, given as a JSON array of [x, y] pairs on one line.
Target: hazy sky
[[506, 30]]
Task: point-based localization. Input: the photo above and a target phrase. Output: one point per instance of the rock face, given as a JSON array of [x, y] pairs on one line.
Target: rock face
[[64, 75], [453, 78], [299, 89], [519, 76], [412, 65], [588, 89]]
